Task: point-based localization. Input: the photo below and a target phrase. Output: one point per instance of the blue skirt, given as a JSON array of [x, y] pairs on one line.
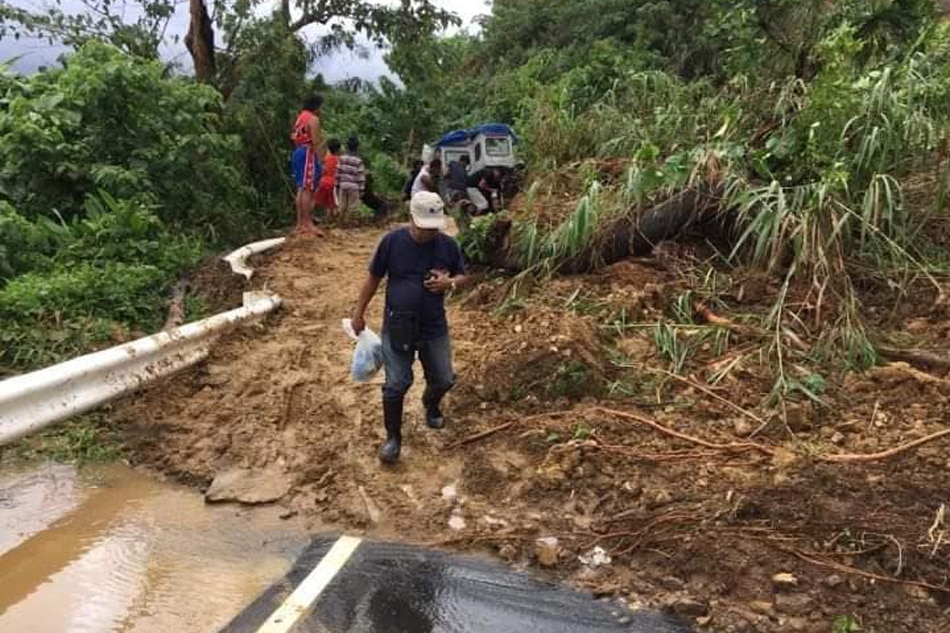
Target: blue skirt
[[306, 167]]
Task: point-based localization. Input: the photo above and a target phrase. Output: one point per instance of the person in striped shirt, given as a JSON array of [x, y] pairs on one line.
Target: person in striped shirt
[[350, 178]]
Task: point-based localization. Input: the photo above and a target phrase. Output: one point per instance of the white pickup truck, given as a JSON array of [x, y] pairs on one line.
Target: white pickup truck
[[489, 147]]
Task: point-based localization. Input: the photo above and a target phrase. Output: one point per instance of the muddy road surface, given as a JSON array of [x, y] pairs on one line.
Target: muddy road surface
[[110, 549], [564, 453]]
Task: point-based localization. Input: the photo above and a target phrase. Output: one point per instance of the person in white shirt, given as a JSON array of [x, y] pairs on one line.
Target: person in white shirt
[[428, 178]]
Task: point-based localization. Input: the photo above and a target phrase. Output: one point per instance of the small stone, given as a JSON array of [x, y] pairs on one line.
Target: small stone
[[672, 583], [633, 488], [762, 607], [834, 581], [742, 427], [372, 510], [795, 624], [492, 522], [507, 552], [287, 514], [248, 486], [411, 494], [784, 581], [918, 593], [597, 557], [799, 417], [689, 608], [457, 521], [658, 498], [518, 329], [450, 492], [837, 438], [581, 522], [794, 603], [547, 550]]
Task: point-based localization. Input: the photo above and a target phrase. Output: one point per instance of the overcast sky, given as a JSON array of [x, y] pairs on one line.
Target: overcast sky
[[31, 54]]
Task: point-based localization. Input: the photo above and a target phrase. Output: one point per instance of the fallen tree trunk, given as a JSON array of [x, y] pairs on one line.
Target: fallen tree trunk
[[916, 357], [635, 233]]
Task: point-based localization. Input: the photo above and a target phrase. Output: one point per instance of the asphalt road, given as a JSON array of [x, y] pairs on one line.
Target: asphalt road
[[367, 587]]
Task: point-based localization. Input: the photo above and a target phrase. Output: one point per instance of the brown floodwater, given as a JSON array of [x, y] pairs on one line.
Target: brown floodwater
[[109, 549]]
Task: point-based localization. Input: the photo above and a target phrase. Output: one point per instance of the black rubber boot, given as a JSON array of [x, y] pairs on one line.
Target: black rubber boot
[[392, 419], [431, 401]]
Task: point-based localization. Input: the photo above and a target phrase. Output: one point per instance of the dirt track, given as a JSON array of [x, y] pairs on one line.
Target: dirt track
[[699, 530]]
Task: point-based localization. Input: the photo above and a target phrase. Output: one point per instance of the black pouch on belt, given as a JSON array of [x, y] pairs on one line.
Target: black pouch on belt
[[403, 330]]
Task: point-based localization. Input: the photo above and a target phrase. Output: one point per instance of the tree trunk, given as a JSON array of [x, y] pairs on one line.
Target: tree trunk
[[200, 41], [634, 233]]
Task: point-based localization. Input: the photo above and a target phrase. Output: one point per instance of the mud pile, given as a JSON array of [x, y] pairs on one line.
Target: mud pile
[[566, 427]]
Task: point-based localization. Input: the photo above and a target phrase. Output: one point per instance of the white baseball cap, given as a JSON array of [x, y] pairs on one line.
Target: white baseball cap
[[427, 210]]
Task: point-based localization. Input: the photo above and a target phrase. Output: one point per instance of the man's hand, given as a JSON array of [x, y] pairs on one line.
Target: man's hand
[[366, 294], [359, 323], [439, 283]]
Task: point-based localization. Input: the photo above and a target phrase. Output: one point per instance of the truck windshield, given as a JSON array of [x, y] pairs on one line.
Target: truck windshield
[[497, 146]]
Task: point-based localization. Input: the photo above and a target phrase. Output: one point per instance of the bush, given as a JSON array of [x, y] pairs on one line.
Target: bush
[[123, 292], [24, 245], [114, 178], [110, 122]]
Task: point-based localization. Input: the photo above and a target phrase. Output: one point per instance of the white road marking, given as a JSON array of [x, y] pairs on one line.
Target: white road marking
[[284, 619]]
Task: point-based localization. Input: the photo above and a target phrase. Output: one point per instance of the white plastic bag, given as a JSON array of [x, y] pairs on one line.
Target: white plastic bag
[[368, 355]]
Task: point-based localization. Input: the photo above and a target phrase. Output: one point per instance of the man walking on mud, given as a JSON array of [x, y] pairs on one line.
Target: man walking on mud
[[423, 264]]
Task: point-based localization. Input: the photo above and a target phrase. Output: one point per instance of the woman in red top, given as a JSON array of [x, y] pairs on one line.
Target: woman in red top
[[305, 161], [326, 197]]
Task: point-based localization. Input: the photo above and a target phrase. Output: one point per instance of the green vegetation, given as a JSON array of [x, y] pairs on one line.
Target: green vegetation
[[84, 439], [94, 222], [818, 128], [845, 624]]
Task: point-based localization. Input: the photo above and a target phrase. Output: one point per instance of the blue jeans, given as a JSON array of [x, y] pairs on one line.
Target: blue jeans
[[436, 358]]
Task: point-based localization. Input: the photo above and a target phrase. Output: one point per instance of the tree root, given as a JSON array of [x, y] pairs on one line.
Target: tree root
[[893, 452], [480, 436], [864, 574], [733, 447], [712, 394]]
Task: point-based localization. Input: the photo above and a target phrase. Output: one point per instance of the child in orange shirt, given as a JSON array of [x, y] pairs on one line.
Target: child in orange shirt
[[326, 194]]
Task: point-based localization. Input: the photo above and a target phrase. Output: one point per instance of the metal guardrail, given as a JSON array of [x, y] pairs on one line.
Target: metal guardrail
[[31, 402], [238, 259]]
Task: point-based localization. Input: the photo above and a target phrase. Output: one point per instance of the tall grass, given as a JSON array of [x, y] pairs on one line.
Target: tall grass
[[812, 174], [570, 239]]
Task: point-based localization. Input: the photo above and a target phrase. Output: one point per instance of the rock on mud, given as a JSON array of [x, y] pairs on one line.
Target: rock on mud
[[248, 486], [688, 607], [547, 550]]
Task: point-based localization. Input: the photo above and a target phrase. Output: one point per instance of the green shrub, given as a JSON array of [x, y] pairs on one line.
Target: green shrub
[[110, 122], [131, 293]]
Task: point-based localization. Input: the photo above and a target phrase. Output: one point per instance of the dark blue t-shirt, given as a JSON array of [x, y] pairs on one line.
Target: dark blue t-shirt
[[458, 177], [406, 263]]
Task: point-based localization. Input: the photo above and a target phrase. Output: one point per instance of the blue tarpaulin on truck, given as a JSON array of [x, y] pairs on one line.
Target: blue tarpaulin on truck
[[460, 137]]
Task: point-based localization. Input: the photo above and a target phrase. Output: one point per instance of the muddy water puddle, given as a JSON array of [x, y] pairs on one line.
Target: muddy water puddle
[[110, 549]]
